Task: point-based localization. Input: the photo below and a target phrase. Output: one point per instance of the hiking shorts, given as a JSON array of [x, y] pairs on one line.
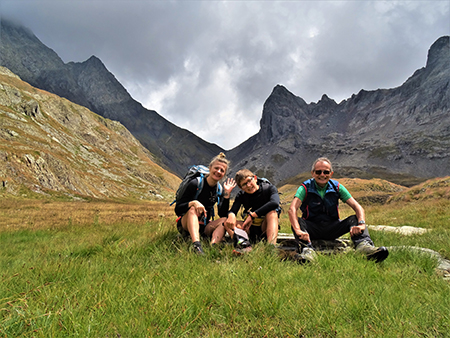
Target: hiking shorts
[[255, 233]]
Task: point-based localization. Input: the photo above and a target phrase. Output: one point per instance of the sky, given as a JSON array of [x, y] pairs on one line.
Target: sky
[[208, 66]]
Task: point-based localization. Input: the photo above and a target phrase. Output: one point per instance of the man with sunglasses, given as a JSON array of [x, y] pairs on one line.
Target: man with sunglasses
[[318, 199]]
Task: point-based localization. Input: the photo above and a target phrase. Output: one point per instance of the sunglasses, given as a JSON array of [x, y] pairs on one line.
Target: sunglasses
[[319, 172]]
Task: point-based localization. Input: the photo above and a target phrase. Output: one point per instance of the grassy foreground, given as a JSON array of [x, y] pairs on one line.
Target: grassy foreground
[[92, 270]]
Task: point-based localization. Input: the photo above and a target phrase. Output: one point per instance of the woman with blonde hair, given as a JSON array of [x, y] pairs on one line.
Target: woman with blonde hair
[[195, 214]]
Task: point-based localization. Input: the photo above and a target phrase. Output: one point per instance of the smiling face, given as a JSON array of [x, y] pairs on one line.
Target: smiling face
[[217, 170], [249, 184], [322, 173]]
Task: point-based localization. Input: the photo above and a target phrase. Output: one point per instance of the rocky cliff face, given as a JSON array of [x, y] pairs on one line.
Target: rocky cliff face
[[405, 130], [91, 85], [50, 145]]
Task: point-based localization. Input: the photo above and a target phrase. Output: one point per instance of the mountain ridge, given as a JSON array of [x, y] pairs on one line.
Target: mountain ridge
[[403, 130], [90, 84], [397, 132]]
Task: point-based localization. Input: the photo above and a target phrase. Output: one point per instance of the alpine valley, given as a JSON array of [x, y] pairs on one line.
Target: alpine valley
[[400, 134]]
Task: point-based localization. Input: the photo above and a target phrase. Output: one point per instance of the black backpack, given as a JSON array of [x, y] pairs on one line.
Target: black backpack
[[198, 172]]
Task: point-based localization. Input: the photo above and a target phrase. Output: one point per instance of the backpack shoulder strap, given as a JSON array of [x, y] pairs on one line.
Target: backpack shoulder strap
[[200, 183], [219, 192]]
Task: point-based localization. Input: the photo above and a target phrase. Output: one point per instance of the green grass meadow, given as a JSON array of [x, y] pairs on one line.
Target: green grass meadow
[[138, 279]]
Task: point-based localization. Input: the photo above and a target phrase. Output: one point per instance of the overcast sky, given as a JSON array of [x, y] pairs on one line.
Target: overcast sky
[[209, 66]]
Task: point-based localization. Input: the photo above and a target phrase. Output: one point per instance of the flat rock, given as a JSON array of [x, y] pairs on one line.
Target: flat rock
[[404, 230], [287, 243], [443, 267]]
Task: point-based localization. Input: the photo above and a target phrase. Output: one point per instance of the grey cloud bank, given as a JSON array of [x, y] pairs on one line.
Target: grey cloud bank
[[208, 66]]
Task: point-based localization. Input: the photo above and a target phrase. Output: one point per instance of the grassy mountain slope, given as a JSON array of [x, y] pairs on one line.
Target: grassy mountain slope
[[51, 145]]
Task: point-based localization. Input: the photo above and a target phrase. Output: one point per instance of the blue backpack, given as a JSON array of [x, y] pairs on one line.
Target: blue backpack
[[198, 172]]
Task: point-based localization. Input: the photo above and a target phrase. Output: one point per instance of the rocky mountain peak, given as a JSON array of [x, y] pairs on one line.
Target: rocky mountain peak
[[439, 52], [404, 130], [27, 59], [95, 60], [92, 76], [326, 100], [282, 114]]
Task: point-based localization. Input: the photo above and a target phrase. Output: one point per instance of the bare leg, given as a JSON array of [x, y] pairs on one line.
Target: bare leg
[[216, 230], [270, 227], [189, 222]]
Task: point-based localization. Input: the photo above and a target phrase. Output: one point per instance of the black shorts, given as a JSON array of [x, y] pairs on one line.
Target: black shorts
[[256, 234]]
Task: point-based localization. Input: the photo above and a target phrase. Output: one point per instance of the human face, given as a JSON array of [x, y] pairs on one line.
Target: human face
[[322, 178], [217, 170], [249, 185]]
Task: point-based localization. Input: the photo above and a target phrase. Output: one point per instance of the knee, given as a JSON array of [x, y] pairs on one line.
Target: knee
[[272, 217], [272, 214], [192, 211], [190, 217]]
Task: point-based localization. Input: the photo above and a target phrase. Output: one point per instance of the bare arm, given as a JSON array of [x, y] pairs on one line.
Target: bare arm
[[360, 215], [296, 203]]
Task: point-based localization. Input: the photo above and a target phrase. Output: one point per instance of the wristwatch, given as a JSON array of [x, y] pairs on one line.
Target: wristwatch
[[362, 222]]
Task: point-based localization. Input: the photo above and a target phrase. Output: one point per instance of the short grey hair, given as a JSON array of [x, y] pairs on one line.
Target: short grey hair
[[322, 159]]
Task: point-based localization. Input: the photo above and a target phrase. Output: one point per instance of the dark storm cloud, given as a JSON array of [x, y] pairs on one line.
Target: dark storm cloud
[[208, 66]]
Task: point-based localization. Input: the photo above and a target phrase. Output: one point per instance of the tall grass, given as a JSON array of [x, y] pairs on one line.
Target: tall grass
[[101, 278]]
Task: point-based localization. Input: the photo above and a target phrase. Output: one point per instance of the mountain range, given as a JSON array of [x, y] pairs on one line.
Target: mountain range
[[396, 133], [385, 132]]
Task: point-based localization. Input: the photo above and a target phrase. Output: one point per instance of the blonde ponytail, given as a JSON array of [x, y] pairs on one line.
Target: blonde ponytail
[[220, 158]]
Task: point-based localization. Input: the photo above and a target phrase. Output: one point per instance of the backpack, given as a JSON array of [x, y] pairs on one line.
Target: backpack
[[260, 180], [265, 180], [198, 172]]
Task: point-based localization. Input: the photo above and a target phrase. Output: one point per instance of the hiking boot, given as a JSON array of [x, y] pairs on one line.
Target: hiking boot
[[240, 239], [373, 253], [197, 248], [243, 244], [308, 255]]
